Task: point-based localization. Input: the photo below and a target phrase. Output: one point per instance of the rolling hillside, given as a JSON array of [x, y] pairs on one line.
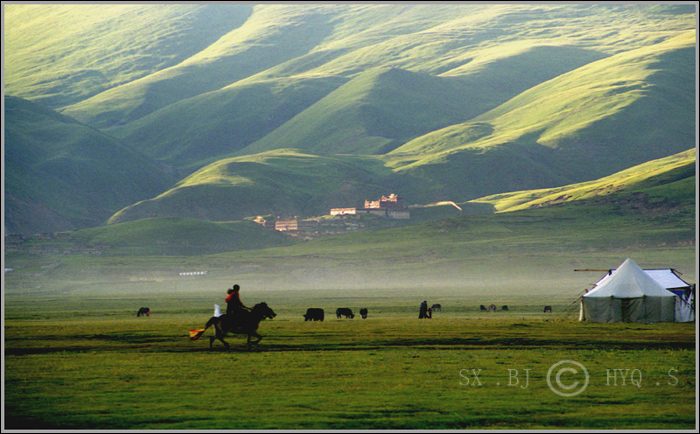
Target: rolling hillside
[[59, 55], [655, 199], [664, 184], [591, 122], [62, 175], [220, 112], [649, 215], [178, 236], [285, 183]]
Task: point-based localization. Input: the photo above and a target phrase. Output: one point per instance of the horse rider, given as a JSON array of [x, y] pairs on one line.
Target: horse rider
[[235, 309]]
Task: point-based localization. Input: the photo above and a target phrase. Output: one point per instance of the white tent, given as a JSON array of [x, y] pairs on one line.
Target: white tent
[[628, 295]]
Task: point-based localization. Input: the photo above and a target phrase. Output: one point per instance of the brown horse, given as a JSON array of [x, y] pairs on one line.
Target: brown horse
[[246, 323]]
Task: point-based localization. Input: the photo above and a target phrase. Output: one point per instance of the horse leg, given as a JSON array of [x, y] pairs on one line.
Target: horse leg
[[250, 344], [218, 334]]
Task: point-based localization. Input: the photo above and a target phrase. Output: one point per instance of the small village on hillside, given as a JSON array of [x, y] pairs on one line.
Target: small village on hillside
[[375, 214], [342, 220]]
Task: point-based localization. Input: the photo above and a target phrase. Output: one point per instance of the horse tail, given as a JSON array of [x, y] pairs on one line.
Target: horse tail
[[195, 334]]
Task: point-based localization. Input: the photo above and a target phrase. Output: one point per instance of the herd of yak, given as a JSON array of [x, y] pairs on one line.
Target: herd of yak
[[316, 314], [247, 322]]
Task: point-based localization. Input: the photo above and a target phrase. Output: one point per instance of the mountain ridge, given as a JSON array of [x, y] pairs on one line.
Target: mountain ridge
[[436, 103]]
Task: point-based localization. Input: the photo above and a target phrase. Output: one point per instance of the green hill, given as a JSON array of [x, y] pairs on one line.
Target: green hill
[[92, 49], [648, 215], [179, 237], [283, 182], [62, 175], [437, 103], [664, 184], [651, 218], [226, 120], [382, 108], [373, 113], [271, 35], [635, 105], [582, 125]]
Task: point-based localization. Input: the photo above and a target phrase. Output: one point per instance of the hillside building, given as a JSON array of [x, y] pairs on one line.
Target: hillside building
[[392, 202], [391, 206], [296, 225], [343, 211]]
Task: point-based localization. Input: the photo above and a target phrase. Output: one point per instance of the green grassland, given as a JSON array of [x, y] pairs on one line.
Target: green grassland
[[92, 364]]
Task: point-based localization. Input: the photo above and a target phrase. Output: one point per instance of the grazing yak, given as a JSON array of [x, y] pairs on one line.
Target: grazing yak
[[344, 311], [436, 308], [483, 308], [504, 308], [363, 313], [492, 308], [143, 311], [548, 309], [314, 314]]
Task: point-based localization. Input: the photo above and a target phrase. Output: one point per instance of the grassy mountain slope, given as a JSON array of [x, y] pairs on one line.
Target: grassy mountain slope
[[669, 180], [283, 182], [207, 127], [63, 54], [343, 41], [60, 174], [593, 121], [177, 236], [272, 34], [519, 249], [371, 114], [471, 99], [577, 99], [382, 108]]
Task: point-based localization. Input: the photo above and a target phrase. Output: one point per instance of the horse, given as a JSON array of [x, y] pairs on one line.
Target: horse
[[246, 324]]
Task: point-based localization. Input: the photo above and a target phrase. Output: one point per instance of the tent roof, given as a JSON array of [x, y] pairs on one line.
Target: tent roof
[[666, 277], [629, 281]]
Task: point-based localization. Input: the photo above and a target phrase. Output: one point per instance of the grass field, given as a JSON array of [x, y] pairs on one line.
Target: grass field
[[90, 363]]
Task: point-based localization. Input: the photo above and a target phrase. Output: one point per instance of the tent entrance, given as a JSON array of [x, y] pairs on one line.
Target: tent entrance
[[626, 309]]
